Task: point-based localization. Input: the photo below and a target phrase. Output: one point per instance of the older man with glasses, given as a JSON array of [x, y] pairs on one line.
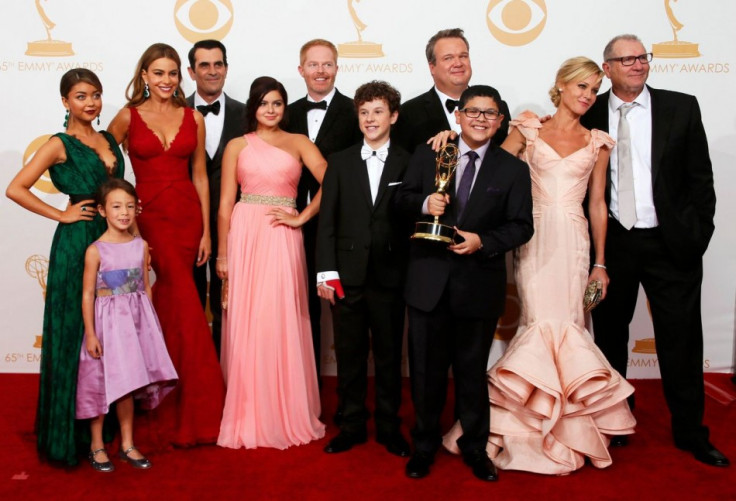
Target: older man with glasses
[[661, 203]]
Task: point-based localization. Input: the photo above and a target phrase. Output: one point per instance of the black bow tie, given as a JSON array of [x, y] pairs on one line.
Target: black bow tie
[[209, 108], [311, 105], [451, 104]]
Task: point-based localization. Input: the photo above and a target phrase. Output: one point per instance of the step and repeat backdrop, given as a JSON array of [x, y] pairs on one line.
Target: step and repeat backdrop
[[515, 45]]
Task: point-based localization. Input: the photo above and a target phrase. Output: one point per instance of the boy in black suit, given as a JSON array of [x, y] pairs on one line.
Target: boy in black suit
[[456, 294], [361, 259]]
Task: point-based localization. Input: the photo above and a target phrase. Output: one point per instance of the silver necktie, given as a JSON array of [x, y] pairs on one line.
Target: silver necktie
[[626, 199]]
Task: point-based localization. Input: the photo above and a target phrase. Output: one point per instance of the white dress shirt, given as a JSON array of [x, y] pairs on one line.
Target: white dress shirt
[[450, 114], [374, 164], [213, 124], [640, 125], [316, 117]]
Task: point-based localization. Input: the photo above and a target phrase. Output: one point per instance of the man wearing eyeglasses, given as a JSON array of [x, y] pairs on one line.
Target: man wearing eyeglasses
[[448, 56], [328, 119], [456, 294], [661, 204]]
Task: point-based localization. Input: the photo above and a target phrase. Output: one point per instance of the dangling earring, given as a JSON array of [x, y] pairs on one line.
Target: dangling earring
[[176, 92], [66, 119], [146, 93], [98, 119]]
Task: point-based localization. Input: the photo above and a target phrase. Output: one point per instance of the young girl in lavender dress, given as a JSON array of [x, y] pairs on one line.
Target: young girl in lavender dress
[[123, 356]]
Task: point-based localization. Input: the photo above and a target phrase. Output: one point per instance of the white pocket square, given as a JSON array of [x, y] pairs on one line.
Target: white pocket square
[[394, 184]]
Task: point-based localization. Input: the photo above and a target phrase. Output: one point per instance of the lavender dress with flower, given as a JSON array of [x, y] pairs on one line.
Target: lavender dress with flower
[[134, 355]]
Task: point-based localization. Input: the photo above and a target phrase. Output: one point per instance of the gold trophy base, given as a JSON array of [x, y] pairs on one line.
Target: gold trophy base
[[49, 48], [360, 49], [434, 232], [675, 49]]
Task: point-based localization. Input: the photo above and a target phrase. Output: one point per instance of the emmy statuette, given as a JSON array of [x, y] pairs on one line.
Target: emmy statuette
[[446, 163]]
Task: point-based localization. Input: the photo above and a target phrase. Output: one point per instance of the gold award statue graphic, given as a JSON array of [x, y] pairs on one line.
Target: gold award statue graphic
[[48, 47], [38, 267], [516, 22], [202, 19], [359, 48], [674, 48]]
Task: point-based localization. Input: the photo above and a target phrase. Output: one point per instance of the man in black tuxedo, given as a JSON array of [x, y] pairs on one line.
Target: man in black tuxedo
[[448, 56], [224, 119], [456, 294], [328, 118], [659, 226], [362, 249]]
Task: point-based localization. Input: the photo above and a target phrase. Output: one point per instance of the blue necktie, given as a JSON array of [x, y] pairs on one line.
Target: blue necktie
[[463, 189]]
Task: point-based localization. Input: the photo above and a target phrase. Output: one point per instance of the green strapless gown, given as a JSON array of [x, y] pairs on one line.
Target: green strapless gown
[[59, 434]]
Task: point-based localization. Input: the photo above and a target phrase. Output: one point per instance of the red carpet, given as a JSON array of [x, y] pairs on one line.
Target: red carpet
[[648, 468]]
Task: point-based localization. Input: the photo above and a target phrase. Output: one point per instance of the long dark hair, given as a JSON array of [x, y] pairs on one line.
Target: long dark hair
[[134, 92], [258, 89]]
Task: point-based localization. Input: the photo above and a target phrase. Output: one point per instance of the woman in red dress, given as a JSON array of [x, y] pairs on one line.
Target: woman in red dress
[[163, 137]]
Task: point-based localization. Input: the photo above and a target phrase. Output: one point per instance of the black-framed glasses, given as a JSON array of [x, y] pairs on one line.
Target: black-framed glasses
[[630, 60], [490, 113]]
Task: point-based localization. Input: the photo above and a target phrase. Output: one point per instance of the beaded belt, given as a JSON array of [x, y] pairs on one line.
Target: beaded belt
[[250, 198]]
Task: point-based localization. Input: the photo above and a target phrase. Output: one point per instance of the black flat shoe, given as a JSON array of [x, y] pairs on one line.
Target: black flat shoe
[[619, 441], [483, 468], [344, 442], [705, 452], [142, 464], [395, 443], [418, 465], [103, 466]]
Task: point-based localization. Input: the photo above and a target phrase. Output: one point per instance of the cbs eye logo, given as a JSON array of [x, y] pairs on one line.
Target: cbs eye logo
[[201, 19], [44, 183], [516, 22]]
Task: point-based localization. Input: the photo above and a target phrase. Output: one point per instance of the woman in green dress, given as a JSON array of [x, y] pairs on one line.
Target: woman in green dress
[[79, 161]]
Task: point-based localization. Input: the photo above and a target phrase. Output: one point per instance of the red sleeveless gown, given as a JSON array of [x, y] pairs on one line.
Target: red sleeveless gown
[[171, 223]]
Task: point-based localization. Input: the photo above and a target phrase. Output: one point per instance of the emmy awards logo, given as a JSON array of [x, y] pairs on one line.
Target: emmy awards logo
[[38, 267], [646, 346], [44, 183], [676, 47], [359, 48], [48, 47]]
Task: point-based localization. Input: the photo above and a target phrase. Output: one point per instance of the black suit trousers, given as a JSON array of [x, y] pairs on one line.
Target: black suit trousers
[[439, 340], [639, 256], [369, 317]]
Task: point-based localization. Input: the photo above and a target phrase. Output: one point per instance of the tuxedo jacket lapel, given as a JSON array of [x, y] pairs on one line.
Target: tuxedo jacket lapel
[[329, 121], [298, 118], [662, 117], [435, 108], [390, 173]]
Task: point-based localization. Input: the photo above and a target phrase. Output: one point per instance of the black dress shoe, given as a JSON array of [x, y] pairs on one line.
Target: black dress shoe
[[344, 442], [705, 453], [418, 465], [619, 441], [395, 443], [482, 466]]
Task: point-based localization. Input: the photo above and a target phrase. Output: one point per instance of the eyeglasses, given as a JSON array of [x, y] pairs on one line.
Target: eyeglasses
[[630, 60], [490, 114]]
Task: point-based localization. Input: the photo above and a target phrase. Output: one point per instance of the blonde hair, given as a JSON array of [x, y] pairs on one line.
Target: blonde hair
[[574, 69], [317, 42]]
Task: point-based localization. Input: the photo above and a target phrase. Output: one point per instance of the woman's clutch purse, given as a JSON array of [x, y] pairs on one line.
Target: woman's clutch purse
[[223, 295], [592, 296]]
